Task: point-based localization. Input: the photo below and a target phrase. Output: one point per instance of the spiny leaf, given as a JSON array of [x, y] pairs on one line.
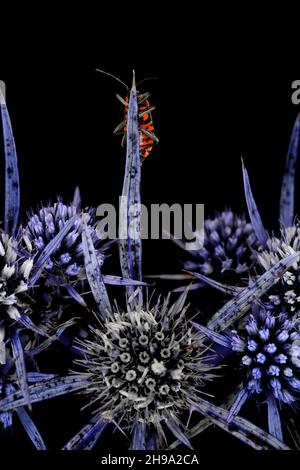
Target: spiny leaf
[[240, 427], [138, 439], [175, 427], [240, 399], [254, 215], [121, 281], [225, 288], [212, 335], [93, 271], [77, 199], [240, 304], [43, 391], [12, 184], [287, 197], [274, 418], [87, 434], [31, 429], [130, 244], [18, 355]]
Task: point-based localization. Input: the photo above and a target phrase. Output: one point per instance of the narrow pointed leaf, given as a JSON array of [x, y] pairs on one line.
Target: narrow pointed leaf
[[225, 288], [174, 426], [82, 439], [26, 321], [197, 429], [77, 199], [31, 429], [240, 427], [130, 244], [121, 281], [34, 377], [194, 286], [75, 295], [44, 391], [12, 184], [242, 396], [213, 336], [18, 355], [138, 439], [287, 197], [274, 420], [169, 277], [239, 305], [254, 215], [93, 271], [55, 336]]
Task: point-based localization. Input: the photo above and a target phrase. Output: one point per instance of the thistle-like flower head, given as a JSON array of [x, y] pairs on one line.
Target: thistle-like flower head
[[43, 225], [229, 244], [14, 274], [269, 352], [285, 293], [145, 366]]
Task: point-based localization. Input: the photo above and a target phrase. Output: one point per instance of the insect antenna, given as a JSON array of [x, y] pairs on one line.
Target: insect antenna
[[144, 79], [113, 76]]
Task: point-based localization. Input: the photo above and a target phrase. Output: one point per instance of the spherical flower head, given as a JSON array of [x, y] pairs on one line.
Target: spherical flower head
[[269, 351], [15, 270], [145, 365], [286, 292], [229, 246], [43, 225]]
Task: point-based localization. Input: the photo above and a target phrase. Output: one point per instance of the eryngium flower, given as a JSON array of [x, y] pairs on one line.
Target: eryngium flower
[[14, 273], [286, 293], [270, 356], [44, 225], [146, 368], [229, 244]]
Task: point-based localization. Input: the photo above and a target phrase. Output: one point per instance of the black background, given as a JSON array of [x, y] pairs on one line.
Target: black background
[[63, 114]]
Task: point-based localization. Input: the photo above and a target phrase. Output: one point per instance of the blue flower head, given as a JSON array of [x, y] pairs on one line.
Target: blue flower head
[[285, 293], [269, 350], [66, 262], [229, 246]]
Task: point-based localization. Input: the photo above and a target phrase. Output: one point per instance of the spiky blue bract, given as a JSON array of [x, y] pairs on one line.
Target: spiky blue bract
[[12, 184], [93, 271], [287, 196], [241, 428], [242, 302], [145, 368], [43, 390], [8, 386], [130, 244], [31, 429], [254, 215]]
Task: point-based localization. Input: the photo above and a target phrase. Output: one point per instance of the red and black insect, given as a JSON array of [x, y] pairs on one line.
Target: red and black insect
[[146, 129]]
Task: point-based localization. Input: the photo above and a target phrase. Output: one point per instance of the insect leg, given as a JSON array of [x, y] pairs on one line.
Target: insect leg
[[142, 98], [150, 134], [120, 127], [122, 100], [149, 110]]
